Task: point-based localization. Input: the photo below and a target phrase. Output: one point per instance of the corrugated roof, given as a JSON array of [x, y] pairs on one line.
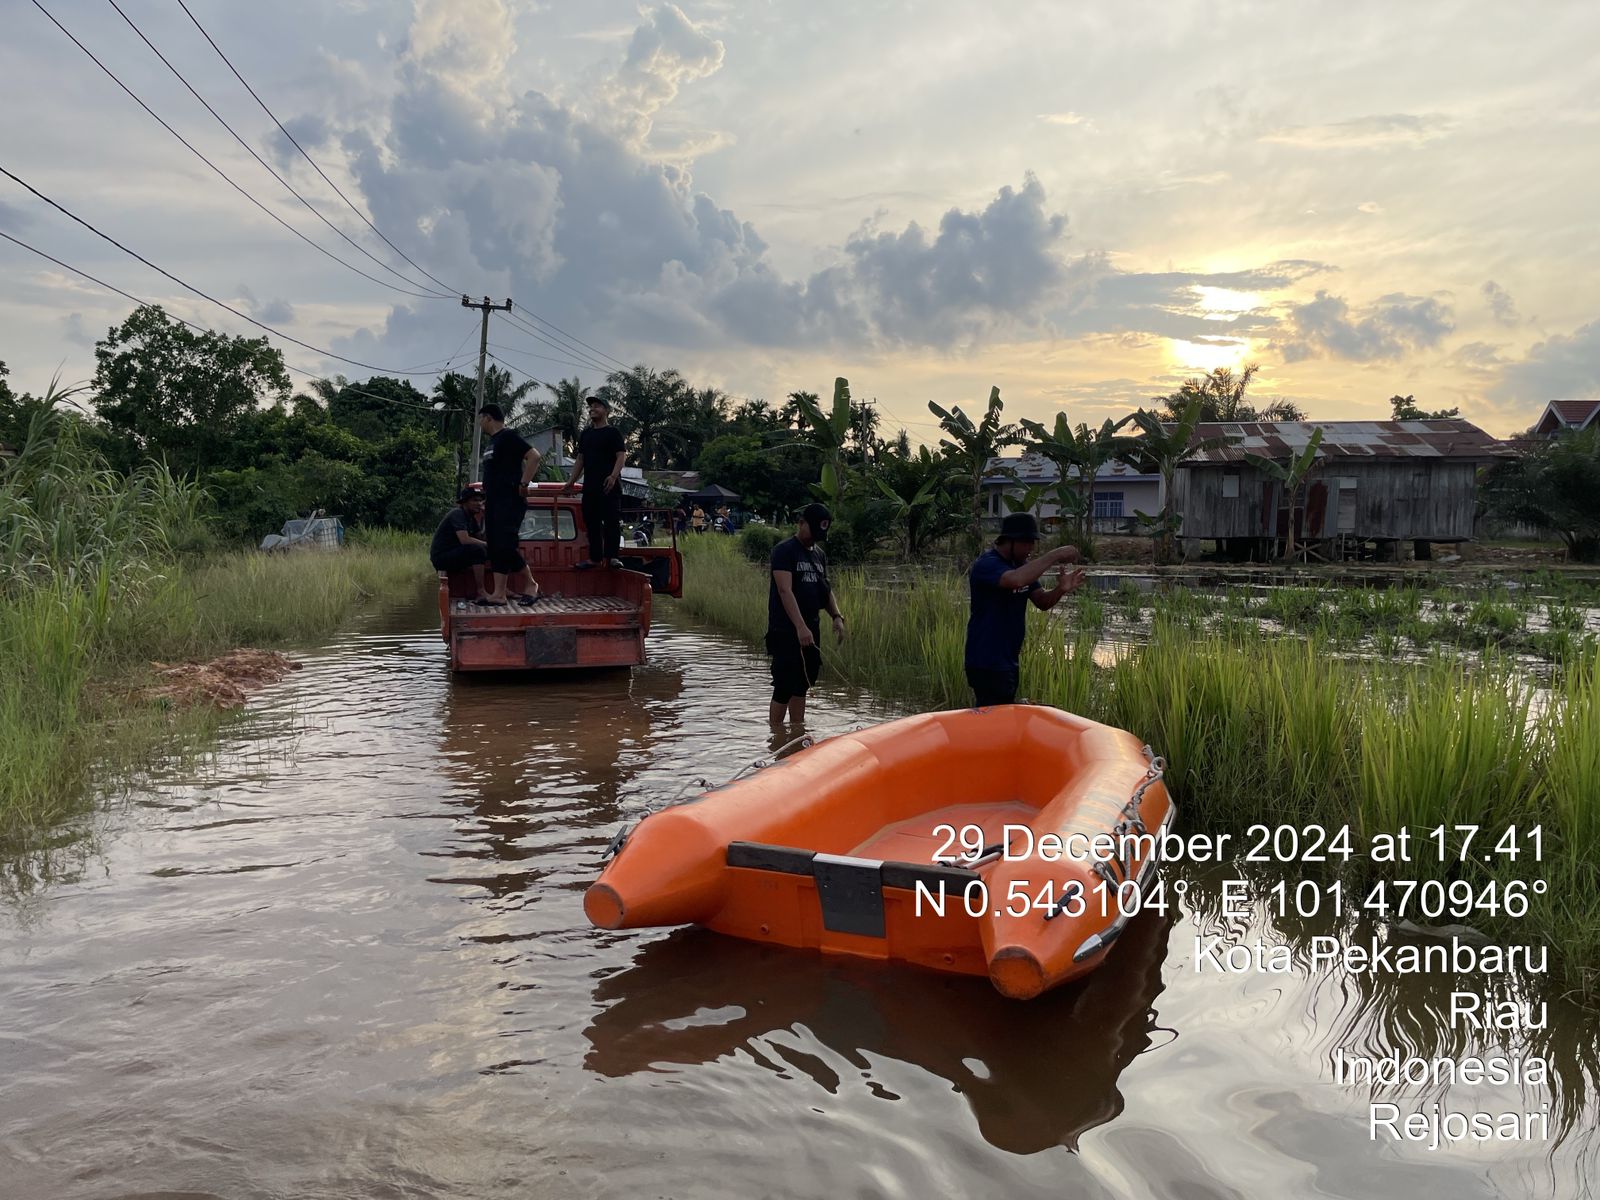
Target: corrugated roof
[[1281, 440], [1032, 467]]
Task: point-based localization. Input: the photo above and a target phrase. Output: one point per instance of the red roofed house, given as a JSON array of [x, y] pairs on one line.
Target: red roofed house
[[1560, 416]]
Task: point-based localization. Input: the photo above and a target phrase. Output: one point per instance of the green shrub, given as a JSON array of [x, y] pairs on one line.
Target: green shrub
[[757, 541]]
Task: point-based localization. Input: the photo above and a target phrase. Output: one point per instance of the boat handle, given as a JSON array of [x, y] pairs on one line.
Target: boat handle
[[1069, 893]]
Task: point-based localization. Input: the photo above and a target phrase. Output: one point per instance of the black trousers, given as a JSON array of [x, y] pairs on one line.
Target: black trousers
[[991, 686], [602, 515], [463, 556], [502, 521]]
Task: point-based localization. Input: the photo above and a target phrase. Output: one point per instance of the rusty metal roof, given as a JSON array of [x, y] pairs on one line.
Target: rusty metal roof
[[1574, 414], [1281, 440]]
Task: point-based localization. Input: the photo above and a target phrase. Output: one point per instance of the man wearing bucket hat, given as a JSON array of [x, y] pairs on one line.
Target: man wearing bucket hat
[[797, 592], [1003, 582]]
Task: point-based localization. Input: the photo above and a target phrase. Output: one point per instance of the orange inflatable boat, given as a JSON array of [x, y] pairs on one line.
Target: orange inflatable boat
[[1014, 842]]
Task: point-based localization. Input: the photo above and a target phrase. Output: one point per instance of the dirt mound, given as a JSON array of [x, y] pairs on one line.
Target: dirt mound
[[224, 682]]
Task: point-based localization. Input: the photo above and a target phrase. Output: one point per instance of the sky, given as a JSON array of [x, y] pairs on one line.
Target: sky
[[1082, 204]]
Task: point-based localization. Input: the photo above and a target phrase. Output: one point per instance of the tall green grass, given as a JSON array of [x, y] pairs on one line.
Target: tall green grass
[[1272, 730], [98, 577]]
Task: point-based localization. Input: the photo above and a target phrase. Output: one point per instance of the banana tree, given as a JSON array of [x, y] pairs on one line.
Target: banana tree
[[1161, 446], [1084, 450], [970, 446], [914, 512], [829, 434], [1290, 476]]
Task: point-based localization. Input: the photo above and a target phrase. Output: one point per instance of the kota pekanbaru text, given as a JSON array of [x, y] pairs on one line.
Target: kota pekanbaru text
[[1371, 956]]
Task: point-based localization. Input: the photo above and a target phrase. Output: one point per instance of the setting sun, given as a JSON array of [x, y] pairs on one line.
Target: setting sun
[[1208, 355]]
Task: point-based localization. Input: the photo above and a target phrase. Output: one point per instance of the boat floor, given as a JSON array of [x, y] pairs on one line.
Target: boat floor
[[915, 840], [547, 604]]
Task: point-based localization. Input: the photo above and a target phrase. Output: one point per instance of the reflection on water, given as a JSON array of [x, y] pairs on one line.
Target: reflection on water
[[350, 960]]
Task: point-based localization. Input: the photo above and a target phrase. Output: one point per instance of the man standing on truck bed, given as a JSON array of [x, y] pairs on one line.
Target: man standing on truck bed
[[796, 595], [458, 543], [601, 453], [509, 464]]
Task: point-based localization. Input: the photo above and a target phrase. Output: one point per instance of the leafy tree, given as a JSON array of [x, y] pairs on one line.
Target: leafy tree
[[1291, 476], [769, 479], [916, 489], [830, 435], [971, 445], [796, 407], [1160, 447], [1554, 487], [177, 395], [1405, 408]]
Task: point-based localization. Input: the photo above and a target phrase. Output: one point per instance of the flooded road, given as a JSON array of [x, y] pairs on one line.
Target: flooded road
[[351, 961]]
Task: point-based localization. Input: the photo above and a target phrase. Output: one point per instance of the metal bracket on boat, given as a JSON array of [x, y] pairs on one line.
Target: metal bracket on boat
[[614, 846], [1069, 893], [1097, 942]]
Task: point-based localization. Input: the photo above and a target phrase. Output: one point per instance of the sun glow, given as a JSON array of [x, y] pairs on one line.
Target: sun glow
[[1208, 355], [1221, 304]]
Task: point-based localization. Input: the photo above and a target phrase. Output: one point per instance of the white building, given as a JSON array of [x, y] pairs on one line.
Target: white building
[[1119, 490]]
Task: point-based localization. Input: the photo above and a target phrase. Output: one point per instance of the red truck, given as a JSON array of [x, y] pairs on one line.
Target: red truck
[[592, 618]]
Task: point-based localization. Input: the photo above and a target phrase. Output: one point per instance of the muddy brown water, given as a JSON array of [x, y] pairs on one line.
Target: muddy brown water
[[348, 958]]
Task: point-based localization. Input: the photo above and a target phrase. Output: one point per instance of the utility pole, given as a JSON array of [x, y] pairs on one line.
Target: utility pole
[[483, 352]]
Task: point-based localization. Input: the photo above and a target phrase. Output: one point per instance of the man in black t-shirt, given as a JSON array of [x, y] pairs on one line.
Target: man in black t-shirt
[[458, 543], [509, 464], [797, 592], [601, 453]]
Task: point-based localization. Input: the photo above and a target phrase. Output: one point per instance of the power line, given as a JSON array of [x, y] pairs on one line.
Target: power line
[[584, 360], [452, 290], [524, 372], [251, 152], [190, 287], [530, 354], [219, 171], [622, 365], [111, 287]]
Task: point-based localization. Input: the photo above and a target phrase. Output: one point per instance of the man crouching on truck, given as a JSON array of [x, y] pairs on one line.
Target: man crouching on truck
[[509, 464], [796, 595], [458, 543]]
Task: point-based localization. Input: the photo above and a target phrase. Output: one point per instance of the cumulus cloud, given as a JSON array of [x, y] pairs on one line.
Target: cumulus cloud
[[1500, 303], [1564, 367], [1386, 329], [1363, 133], [1476, 357], [667, 51]]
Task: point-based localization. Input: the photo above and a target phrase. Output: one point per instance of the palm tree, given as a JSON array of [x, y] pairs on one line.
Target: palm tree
[[566, 409], [794, 411], [646, 403], [829, 434], [1082, 449], [970, 447]]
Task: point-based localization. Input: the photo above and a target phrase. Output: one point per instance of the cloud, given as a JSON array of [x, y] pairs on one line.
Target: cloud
[[1500, 303], [1564, 367], [1324, 327], [1362, 133], [667, 51], [1476, 357], [1371, 207], [76, 330], [268, 312], [1063, 118], [12, 218]]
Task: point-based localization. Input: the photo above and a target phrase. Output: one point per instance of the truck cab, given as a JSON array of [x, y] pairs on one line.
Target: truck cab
[[597, 617]]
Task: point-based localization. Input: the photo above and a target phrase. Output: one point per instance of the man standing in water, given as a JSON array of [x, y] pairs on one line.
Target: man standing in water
[[797, 592], [1003, 580], [509, 464], [601, 453]]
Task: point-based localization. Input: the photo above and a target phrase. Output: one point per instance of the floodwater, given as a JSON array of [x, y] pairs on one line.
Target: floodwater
[[348, 958]]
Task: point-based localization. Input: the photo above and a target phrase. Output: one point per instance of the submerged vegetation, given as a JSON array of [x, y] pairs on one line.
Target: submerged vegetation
[[1257, 726], [100, 574]]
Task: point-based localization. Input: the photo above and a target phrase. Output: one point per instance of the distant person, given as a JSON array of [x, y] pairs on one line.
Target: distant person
[[458, 543], [509, 465], [697, 519], [601, 454], [797, 592], [1003, 581]]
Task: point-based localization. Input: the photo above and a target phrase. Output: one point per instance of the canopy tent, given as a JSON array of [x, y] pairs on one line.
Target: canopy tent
[[712, 493]]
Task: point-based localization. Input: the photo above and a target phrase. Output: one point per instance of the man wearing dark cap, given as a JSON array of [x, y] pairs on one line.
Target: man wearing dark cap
[[1003, 581], [797, 592], [601, 453], [458, 543], [509, 465]]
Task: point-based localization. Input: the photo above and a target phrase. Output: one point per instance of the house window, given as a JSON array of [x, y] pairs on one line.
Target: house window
[[1230, 485], [1107, 504]]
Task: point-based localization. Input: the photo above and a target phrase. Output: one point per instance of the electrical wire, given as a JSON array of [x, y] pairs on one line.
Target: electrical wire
[[265, 165], [530, 354], [111, 287], [574, 357], [620, 365], [222, 174], [452, 290], [190, 287]]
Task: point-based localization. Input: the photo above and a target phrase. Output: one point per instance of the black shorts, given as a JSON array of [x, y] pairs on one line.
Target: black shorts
[[463, 556], [501, 525], [991, 686], [794, 668]]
